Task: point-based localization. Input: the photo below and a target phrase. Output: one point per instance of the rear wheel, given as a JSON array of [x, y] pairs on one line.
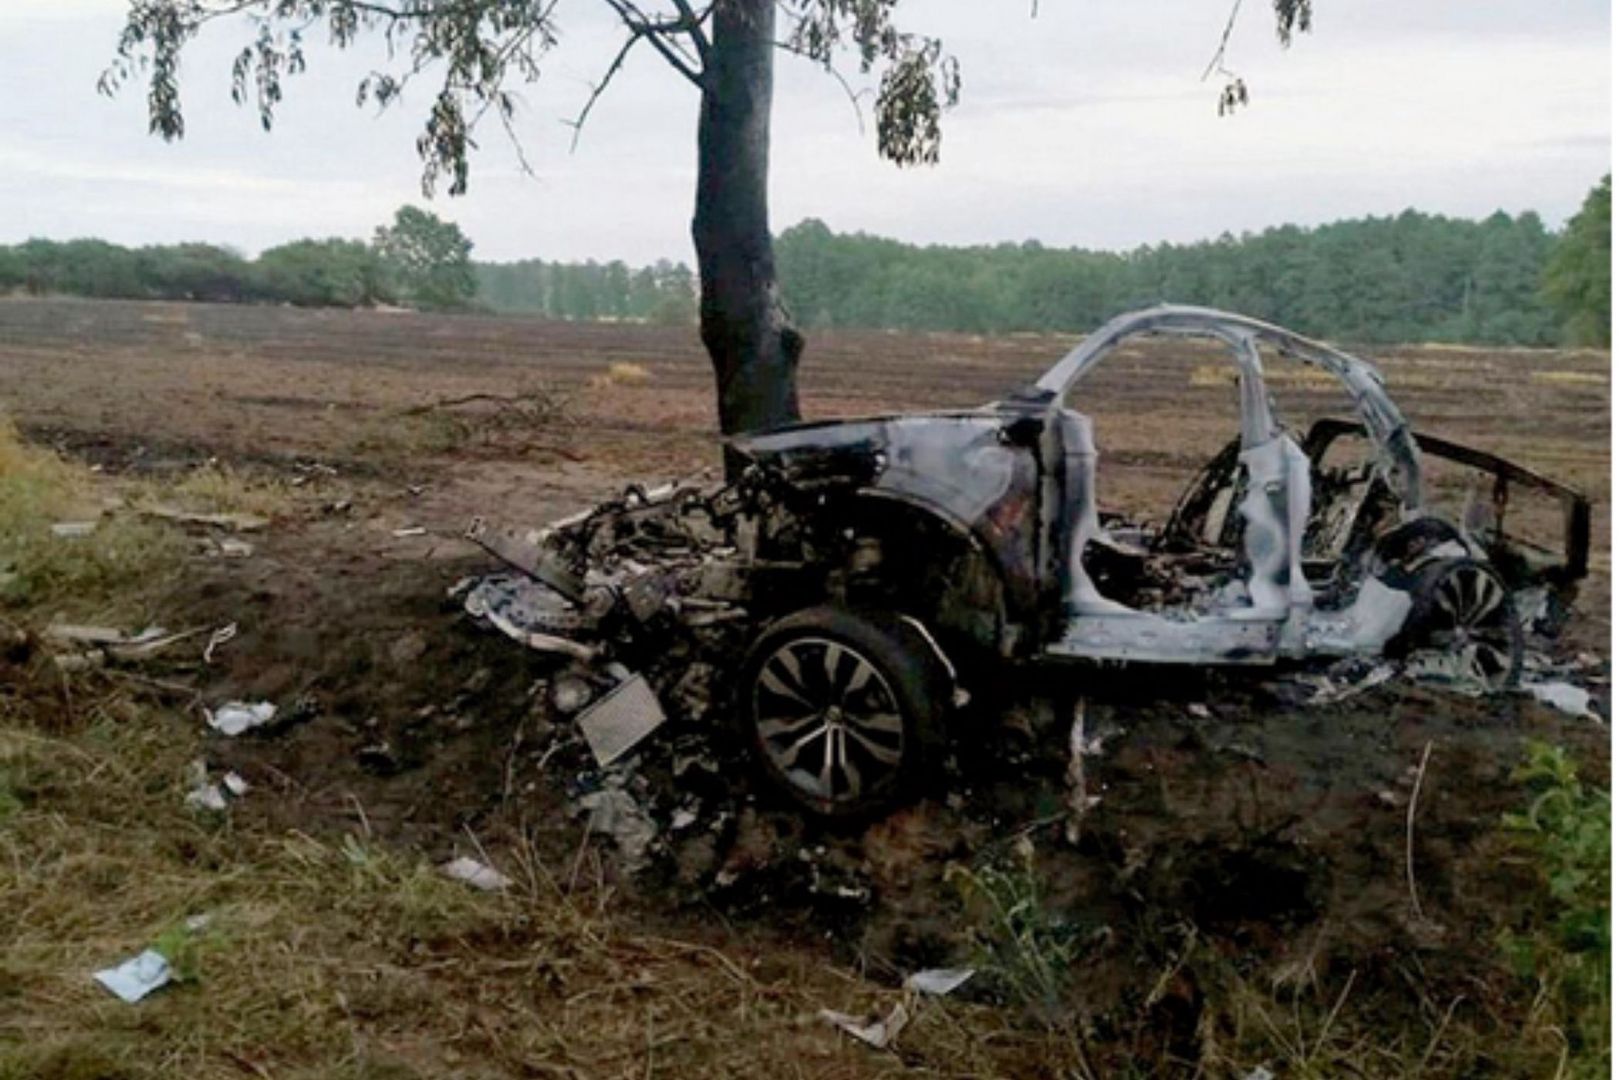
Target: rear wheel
[[840, 709], [1464, 622]]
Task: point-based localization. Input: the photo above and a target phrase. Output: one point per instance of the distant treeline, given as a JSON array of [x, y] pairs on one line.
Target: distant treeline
[[1415, 277], [309, 273], [416, 259], [1412, 277], [664, 292]]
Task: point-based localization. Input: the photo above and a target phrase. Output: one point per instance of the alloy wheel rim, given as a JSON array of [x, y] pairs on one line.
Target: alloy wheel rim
[[827, 719], [1471, 613]]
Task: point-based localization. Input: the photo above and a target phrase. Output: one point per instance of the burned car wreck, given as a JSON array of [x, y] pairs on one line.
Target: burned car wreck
[[860, 579]]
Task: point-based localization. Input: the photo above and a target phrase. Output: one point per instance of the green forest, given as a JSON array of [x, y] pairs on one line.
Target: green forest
[[665, 292], [1413, 277], [416, 260]]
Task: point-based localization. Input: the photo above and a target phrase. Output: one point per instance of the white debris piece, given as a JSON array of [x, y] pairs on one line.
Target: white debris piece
[[939, 981], [476, 874], [683, 818], [1329, 691], [137, 976], [1565, 697], [409, 530], [235, 717], [1079, 800], [148, 642], [232, 548], [623, 717], [614, 812], [206, 796], [73, 530], [878, 1034], [216, 639]]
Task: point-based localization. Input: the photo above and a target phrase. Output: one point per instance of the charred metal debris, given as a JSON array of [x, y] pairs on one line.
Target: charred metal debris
[[858, 579]]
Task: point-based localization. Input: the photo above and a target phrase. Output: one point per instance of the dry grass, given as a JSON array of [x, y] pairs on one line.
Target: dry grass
[[336, 956], [93, 575], [621, 373], [218, 489]]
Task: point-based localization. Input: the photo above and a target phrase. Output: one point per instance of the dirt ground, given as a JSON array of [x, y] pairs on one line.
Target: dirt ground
[[1241, 837]]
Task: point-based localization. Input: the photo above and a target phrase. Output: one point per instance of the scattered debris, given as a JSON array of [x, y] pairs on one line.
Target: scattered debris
[[476, 874], [939, 981], [1341, 681], [235, 717], [116, 643], [73, 530], [570, 693], [878, 1034], [231, 548], [1565, 697], [216, 639], [614, 812], [137, 976], [205, 794], [409, 530], [528, 613], [622, 718]]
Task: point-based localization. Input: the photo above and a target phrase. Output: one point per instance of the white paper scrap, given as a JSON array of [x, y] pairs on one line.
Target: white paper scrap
[[136, 977], [235, 717], [938, 981], [476, 874]]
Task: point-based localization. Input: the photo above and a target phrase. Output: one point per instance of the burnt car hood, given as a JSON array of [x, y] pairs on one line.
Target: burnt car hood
[[958, 462]]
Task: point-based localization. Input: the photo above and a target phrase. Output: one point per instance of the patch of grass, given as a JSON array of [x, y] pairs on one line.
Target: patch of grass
[[1571, 378], [408, 436], [221, 489], [78, 576], [621, 373], [343, 956], [1021, 945], [1564, 946]]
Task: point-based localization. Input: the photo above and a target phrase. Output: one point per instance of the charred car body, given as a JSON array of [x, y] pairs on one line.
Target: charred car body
[[843, 593]]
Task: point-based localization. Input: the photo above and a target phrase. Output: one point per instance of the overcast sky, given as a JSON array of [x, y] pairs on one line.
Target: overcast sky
[[1085, 126]]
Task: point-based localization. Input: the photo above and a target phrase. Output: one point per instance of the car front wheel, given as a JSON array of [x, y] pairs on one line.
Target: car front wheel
[[840, 709]]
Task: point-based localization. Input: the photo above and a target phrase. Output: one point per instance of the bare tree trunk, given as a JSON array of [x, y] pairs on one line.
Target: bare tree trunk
[[751, 342]]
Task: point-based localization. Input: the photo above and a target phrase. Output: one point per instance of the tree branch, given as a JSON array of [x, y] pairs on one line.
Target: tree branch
[[654, 32], [694, 28], [826, 65], [578, 123], [1218, 61]]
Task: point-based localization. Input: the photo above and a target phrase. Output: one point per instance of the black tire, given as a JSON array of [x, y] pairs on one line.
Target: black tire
[[841, 711], [1462, 607]]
